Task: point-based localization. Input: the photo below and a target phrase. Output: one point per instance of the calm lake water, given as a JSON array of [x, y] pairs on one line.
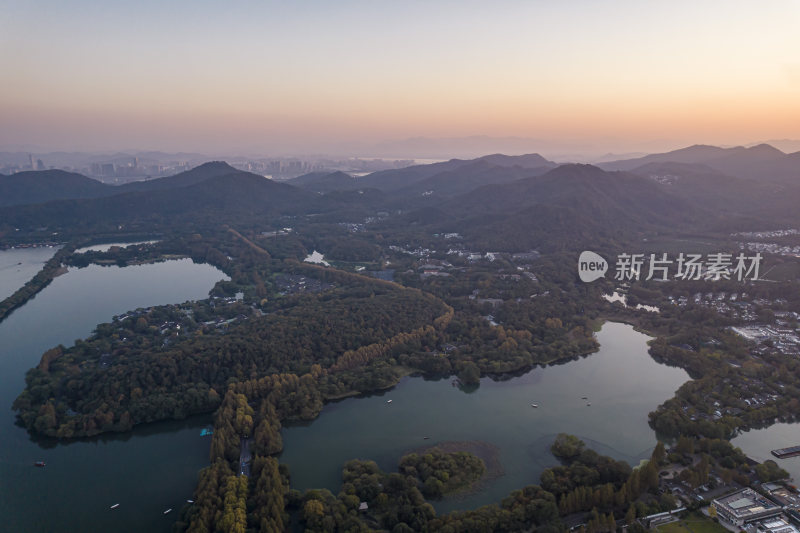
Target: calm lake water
[[19, 265], [621, 381], [146, 471], [758, 443]]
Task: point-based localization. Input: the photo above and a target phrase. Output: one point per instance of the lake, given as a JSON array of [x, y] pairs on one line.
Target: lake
[[146, 471], [621, 382], [19, 265], [758, 443]]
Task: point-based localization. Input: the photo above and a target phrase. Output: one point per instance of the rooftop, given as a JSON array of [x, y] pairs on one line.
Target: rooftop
[[745, 503]]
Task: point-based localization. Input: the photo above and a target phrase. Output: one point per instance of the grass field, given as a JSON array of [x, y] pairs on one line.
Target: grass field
[[693, 523]]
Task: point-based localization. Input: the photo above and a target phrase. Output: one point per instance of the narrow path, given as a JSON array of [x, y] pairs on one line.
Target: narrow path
[[244, 457]]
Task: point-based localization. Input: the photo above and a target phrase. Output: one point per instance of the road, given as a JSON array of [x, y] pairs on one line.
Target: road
[[244, 457]]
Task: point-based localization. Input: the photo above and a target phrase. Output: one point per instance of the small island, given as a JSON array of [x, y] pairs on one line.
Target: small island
[[439, 472]]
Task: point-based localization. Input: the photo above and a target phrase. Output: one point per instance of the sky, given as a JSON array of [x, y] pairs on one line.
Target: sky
[[317, 76]]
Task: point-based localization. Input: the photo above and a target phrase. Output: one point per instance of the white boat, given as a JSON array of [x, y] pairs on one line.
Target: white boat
[[189, 501], [535, 405], [168, 510], [115, 506], [388, 401]]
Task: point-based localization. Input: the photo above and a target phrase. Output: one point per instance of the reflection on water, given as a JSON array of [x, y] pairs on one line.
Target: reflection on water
[[146, 471], [621, 382]]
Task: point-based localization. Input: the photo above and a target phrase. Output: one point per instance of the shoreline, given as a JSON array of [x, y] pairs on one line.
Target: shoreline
[[485, 451]]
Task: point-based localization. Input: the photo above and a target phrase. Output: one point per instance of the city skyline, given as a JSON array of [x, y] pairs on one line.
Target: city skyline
[[347, 76]]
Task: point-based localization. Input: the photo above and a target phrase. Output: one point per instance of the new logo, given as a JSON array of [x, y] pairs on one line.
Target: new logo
[[591, 266]]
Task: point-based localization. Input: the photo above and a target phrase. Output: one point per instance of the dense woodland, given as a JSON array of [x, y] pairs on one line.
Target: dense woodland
[[439, 473], [282, 337]]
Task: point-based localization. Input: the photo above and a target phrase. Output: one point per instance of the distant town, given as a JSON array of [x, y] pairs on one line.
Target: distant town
[[124, 168]]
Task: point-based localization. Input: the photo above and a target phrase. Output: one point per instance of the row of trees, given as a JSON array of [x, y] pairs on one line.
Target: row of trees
[[151, 383], [42, 279]]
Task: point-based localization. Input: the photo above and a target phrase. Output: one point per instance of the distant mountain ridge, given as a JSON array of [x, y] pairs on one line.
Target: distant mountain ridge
[[35, 187], [323, 182], [761, 162], [508, 203], [392, 180], [31, 187], [220, 196]]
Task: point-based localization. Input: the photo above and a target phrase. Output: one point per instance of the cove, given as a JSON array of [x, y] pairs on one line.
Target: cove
[[146, 471], [759, 443], [620, 381]]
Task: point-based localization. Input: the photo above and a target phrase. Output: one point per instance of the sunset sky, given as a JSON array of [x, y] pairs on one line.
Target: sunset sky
[[310, 76]]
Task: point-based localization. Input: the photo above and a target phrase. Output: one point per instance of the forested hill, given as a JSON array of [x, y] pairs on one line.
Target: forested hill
[[196, 175], [570, 206], [502, 202], [231, 197], [323, 182], [34, 187]]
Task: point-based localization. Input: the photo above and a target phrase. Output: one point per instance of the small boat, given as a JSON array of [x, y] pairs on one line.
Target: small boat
[[425, 438], [39, 463], [535, 405], [588, 405], [168, 510], [388, 401], [189, 501], [584, 397], [114, 506]]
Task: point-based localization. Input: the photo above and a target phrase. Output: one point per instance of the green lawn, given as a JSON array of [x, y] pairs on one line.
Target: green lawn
[[693, 523]]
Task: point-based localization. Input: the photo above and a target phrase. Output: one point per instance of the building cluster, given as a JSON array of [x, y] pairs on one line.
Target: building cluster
[[771, 248], [758, 245], [752, 393], [757, 508], [786, 340], [295, 283], [767, 234], [755, 512], [734, 305], [287, 168], [122, 168]]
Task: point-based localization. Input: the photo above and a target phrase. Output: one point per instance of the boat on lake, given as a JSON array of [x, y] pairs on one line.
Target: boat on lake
[[535, 405], [39, 463], [388, 401], [782, 453], [168, 510], [114, 506]]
